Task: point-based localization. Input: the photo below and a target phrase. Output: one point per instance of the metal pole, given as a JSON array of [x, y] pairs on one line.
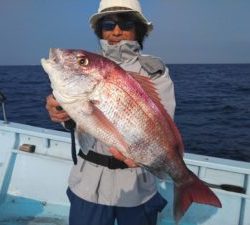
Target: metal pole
[[4, 113], [2, 99]]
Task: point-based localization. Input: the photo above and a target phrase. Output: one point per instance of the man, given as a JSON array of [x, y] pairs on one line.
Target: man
[[101, 193]]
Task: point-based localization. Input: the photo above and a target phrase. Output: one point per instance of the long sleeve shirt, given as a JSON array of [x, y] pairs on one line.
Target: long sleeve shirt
[[121, 187]]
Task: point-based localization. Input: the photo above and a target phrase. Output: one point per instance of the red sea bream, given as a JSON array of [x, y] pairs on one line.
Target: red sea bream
[[123, 110]]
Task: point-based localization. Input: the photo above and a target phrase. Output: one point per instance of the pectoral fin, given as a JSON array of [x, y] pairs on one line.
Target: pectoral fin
[[99, 126]]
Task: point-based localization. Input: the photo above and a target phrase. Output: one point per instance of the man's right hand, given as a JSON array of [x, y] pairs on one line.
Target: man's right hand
[[56, 113]]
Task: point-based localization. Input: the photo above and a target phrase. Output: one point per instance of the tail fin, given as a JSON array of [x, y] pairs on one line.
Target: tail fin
[[195, 191]]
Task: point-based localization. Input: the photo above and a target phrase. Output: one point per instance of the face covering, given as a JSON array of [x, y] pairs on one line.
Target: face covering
[[124, 52]]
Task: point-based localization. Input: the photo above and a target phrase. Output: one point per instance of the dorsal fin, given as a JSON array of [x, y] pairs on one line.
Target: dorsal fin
[[148, 86]]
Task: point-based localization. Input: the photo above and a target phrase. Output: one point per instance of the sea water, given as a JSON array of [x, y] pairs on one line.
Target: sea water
[[212, 113]]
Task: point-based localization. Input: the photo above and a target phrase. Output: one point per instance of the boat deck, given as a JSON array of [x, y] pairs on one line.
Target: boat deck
[[17, 210]]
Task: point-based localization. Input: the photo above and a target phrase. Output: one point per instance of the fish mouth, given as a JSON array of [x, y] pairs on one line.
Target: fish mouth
[[54, 55], [53, 61]]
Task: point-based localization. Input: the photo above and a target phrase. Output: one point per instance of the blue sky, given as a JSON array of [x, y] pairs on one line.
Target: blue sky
[[186, 31]]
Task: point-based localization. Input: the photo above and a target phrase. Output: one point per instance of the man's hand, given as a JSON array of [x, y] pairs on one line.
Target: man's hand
[[56, 113], [118, 155]]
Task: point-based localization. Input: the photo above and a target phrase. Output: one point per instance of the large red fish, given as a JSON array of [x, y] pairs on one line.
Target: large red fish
[[123, 110]]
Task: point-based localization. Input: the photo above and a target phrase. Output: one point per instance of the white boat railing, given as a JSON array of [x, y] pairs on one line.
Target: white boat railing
[[32, 174]]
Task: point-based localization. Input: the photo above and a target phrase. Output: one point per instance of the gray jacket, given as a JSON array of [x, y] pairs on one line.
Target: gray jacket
[[121, 187]]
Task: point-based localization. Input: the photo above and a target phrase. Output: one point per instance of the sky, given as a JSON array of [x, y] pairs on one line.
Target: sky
[[185, 31]]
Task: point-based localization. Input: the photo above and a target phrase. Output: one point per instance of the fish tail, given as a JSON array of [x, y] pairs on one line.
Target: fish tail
[[195, 191]]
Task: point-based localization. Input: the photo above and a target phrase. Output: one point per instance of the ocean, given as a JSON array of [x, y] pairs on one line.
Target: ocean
[[212, 112]]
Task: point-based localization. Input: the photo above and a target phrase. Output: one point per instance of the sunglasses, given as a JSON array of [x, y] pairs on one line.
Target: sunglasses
[[109, 25]]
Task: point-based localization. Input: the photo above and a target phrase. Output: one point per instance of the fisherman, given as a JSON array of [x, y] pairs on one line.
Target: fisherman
[[104, 185]]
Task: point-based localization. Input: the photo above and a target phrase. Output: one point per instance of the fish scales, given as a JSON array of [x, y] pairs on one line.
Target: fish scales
[[126, 119]]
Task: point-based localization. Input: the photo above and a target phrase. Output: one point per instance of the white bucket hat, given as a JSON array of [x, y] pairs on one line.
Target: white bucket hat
[[108, 7]]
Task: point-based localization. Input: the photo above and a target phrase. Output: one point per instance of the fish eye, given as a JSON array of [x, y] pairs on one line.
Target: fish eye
[[83, 61]]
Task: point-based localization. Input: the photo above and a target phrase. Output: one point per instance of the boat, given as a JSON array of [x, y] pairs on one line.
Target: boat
[[35, 163]]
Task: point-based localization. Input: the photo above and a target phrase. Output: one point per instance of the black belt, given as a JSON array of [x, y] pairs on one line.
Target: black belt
[[103, 160], [94, 157]]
